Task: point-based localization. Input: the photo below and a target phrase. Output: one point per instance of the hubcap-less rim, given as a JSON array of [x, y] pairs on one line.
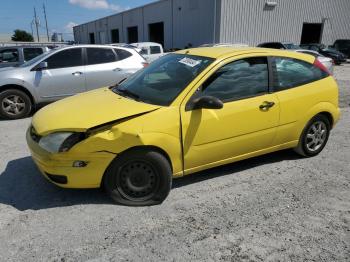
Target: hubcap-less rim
[[13, 105], [316, 136], [137, 181]]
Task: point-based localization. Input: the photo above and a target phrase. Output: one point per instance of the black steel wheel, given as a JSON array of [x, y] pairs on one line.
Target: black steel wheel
[[137, 180], [138, 177]]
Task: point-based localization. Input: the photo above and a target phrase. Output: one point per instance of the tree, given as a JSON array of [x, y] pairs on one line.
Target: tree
[[22, 36]]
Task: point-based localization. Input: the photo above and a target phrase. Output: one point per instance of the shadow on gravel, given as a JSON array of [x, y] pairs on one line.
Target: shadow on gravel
[[229, 169], [23, 187]]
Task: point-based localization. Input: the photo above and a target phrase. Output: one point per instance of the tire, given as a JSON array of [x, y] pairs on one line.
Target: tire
[[14, 104], [139, 177], [314, 136]]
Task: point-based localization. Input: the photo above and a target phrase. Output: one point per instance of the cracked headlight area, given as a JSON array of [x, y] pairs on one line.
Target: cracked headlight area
[[61, 141]]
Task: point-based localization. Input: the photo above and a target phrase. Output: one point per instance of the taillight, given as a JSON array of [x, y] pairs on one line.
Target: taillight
[[319, 65], [145, 64]]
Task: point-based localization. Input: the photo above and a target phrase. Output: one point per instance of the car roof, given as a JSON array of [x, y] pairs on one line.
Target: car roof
[[93, 46], [226, 52], [139, 44], [22, 46]]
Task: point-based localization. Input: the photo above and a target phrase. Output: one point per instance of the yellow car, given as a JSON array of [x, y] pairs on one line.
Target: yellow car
[[188, 111]]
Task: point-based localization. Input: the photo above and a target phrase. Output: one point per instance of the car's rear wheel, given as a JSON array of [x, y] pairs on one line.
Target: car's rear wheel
[[14, 104], [314, 136], [138, 177]]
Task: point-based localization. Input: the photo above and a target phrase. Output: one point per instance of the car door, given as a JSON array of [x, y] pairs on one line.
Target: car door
[[9, 57], [103, 68], [247, 122], [64, 75]]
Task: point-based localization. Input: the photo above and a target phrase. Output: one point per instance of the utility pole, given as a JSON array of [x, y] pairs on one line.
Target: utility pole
[[36, 24], [31, 27], [47, 29]]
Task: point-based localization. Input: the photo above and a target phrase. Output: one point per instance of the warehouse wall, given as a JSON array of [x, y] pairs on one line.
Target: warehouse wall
[[249, 21], [193, 22], [185, 22], [161, 12]]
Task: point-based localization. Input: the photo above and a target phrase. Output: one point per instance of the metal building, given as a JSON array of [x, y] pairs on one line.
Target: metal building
[[182, 23]]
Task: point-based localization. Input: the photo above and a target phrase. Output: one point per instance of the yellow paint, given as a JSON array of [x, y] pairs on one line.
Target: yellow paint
[[192, 140]]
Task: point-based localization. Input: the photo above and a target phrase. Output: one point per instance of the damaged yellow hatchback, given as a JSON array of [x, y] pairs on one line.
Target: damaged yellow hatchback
[[188, 111]]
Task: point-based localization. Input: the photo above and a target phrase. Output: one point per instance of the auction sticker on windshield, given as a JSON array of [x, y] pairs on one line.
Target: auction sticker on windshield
[[190, 62]]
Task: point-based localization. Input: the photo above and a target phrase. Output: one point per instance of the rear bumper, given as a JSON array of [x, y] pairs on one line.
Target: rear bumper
[[58, 168]]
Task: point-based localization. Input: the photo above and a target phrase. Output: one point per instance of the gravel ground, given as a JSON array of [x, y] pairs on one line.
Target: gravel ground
[[277, 207]]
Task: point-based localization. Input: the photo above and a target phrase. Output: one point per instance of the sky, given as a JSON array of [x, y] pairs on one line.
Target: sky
[[62, 15]]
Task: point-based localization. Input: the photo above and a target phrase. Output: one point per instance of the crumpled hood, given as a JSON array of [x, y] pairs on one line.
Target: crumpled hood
[[86, 110]]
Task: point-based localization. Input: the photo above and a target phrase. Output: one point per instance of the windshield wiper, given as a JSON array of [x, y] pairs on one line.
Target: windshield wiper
[[127, 93]]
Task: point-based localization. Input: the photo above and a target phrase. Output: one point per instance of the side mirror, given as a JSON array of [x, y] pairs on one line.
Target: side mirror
[[207, 102], [41, 66]]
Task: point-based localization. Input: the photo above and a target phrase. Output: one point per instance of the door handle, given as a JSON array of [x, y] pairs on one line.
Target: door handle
[[77, 73], [117, 69], [266, 105]]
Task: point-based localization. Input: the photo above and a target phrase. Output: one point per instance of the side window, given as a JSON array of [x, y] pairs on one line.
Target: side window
[[30, 53], [292, 72], [122, 54], [239, 79], [100, 56], [9, 55], [65, 58], [155, 50]]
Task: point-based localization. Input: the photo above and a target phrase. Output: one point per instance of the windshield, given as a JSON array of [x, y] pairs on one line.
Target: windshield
[[292, 46], [164, 79], [36, 59]]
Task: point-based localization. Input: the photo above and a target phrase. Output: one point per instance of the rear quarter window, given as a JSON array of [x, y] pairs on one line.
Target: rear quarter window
[[122, 54], [100, 56], [291, 73]]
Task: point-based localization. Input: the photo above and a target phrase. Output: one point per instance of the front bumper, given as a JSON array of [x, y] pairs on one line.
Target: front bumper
[[61, 165]]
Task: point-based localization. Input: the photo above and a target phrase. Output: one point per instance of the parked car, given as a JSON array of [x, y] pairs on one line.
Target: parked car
[[224, 45], [63, 72], [279, 45], [326, 61], [17, 55], [337, 56], [149, 50], [188, 111], [343, 46]]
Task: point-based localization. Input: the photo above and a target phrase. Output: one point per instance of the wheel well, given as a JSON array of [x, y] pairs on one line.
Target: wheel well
[[151, 148], [21, 88], [329, 117]]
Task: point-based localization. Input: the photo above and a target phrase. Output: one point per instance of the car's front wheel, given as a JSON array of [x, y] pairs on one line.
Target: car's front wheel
[[314, 137], [138, 177], [14, 104]]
